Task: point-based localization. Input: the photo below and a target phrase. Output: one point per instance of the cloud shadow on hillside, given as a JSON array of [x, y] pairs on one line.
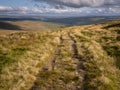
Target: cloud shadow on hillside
[[8, 26]]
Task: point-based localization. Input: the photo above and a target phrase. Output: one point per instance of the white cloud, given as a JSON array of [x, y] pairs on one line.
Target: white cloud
[[23, 10], [11, 10], [65, 10], [5, 8]]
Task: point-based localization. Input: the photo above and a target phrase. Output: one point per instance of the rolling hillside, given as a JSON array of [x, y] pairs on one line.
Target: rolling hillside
[[74, 58], [7, 27]]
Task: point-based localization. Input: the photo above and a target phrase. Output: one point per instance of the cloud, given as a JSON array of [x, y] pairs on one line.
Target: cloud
[[4, 10], [80, 7], [82, 3], [11, 10]]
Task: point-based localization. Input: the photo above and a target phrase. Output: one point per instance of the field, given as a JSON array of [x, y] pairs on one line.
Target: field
[[72, 58]]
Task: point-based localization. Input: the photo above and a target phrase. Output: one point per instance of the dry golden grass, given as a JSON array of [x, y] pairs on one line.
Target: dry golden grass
[[30, 51], [75, 58]]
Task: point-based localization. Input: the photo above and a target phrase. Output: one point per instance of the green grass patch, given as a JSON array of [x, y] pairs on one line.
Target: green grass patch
[[108, 38], [19, 50], [112, 51], [118, 31], [71, 69], [5, 60], [69, 78], [82, 39], [9, 57], [86, 33]]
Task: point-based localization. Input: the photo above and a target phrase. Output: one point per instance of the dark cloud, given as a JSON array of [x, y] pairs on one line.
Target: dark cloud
[[82, 3]]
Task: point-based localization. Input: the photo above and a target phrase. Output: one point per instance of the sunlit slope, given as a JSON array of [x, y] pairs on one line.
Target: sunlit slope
[[75, 58], [7, 27]]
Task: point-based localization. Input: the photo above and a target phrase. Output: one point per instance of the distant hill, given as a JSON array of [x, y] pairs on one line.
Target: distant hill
[[69, 21], [72, 58], [7, 27]]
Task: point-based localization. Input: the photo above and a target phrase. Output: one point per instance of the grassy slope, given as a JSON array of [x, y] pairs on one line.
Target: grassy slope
[[81, 57], [8, 26]]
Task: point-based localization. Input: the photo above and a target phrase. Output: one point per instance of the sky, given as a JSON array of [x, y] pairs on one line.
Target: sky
[[60, 7]]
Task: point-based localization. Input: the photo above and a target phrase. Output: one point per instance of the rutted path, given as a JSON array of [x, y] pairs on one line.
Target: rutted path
[[77, 57], [50, 66], [65, 69], [57, 52]]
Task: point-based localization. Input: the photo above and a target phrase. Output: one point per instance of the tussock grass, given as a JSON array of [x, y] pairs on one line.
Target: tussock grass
[[100, 55], [96, 66], [21, 56]]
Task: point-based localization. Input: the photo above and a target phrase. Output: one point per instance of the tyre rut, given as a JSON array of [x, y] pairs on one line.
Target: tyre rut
[[79, 58], [50, 66]]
